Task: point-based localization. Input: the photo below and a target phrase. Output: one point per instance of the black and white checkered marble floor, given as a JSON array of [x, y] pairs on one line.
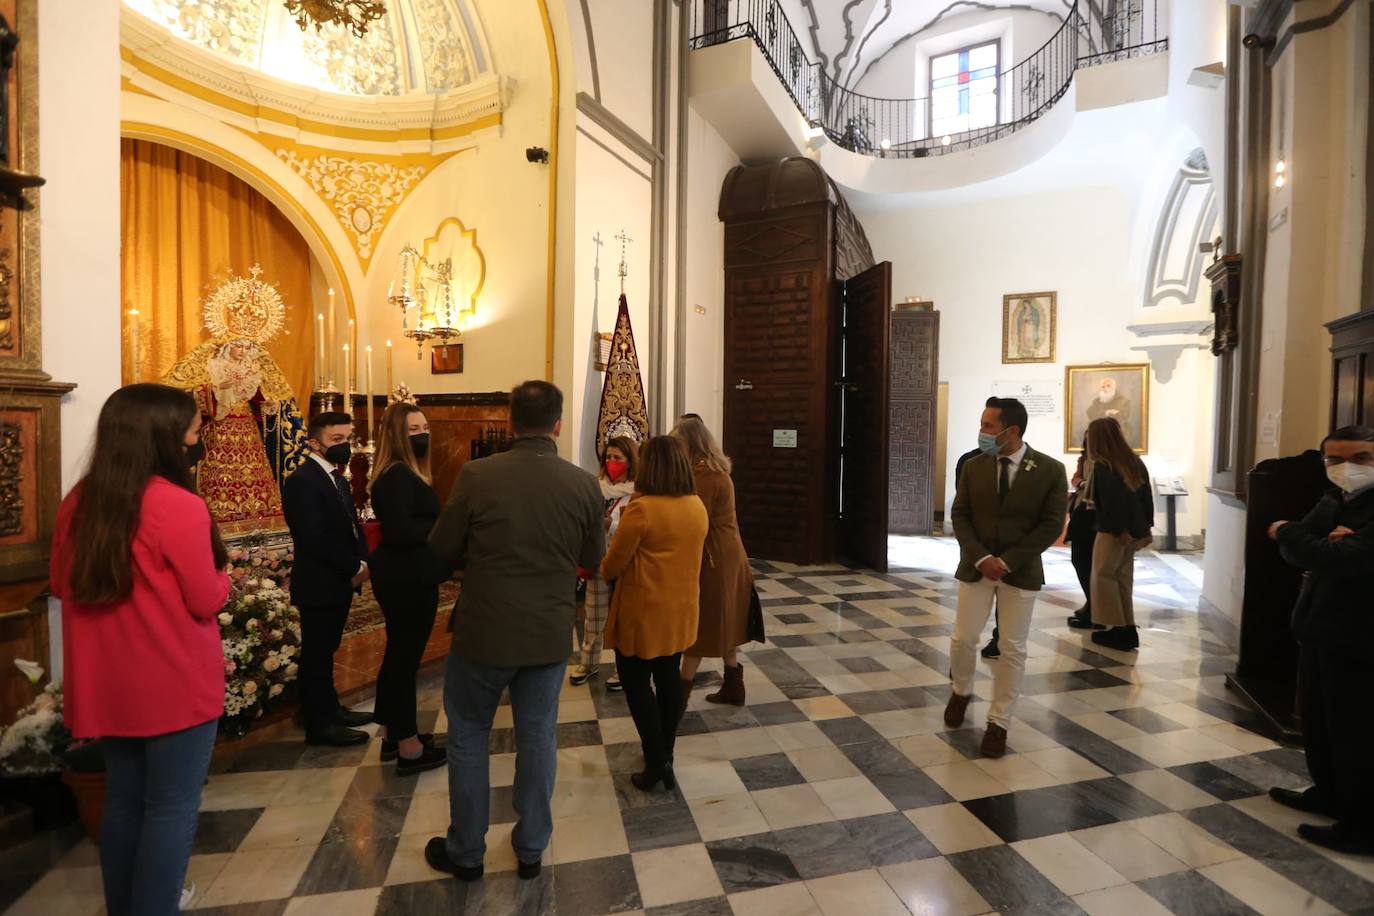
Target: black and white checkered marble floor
[[1133, 784]]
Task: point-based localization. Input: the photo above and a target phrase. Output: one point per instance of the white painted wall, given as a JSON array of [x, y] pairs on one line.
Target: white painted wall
[[623, 30], [709, 159], [79, 219]]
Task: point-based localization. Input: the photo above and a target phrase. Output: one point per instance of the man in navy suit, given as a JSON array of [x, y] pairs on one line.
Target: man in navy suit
[[330, 567]]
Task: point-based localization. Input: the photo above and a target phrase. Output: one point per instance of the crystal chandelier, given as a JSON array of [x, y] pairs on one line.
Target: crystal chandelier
[[353, 15], [427, 289]]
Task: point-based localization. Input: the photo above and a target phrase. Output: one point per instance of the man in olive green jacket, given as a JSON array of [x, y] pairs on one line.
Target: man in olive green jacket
[[1008, 510]]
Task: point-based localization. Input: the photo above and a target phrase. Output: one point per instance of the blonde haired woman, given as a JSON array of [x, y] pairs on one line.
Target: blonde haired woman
[[727, 582], [405, 580]]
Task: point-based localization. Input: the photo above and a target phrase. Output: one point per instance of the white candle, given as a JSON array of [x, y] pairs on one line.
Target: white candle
[[389, 387], [319, 353], [333, 340], [347, 384], [133, 345], [353, 345], [369, 394]]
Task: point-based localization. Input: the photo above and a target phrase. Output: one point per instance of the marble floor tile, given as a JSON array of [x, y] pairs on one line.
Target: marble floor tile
[[823, 707], [262, 874], [1184, 840], [596, 886], [708, 780], [751, 862], [819, 850], [1037, 812], [852, 797], [791, 806], [1064, 764], [727, 816], [770, 771], [656, 826], [821, 763], [1188, 893], [588, 836], [934, 887], [1069, 865], [1004, 878], [889, 839], [1017, 772], [1264, 890], [1169, 790], [346, 903], [781, 900], [675, 874], [965, 780], [1127, 851], [856, 892], [952, 828], [77, 891], [1115, 901]]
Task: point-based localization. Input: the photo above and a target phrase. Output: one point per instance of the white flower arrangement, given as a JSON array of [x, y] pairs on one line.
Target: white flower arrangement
[[259, 632], [1028, 464], [33, 744]]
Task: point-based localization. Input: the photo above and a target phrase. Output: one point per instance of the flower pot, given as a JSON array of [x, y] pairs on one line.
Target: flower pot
[[89, 790]]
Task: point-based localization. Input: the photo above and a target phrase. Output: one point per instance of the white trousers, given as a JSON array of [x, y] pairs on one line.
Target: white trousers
[[1014, 609]]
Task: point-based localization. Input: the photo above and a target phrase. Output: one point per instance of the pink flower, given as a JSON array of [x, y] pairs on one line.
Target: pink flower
[[236, 554], [230, 667]]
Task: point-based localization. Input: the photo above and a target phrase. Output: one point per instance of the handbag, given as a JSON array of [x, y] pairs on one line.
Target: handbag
[[755, 623]]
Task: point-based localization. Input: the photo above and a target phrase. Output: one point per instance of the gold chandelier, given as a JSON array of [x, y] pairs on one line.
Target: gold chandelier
[[351, 14]]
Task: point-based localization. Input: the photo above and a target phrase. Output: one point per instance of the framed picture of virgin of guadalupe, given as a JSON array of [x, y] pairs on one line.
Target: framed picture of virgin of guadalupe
[[1029, 327]]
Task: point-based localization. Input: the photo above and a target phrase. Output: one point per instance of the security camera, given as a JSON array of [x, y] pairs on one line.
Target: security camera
[[1257, 41], [537, 154]]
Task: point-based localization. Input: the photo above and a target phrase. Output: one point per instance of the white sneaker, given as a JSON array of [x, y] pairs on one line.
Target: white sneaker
[[581, 674], [613, 683], [188, 893]]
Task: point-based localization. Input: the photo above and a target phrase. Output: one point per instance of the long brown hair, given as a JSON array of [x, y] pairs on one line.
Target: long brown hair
[[140, 434], [393, 444], [629, 448], [702, 447], [1106, 443], [664, 469]]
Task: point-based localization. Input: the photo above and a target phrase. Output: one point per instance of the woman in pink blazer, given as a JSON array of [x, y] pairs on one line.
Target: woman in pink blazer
[[140, 569]]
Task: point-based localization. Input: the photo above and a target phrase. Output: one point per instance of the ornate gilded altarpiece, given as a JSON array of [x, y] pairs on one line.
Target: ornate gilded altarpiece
[[30, 460]]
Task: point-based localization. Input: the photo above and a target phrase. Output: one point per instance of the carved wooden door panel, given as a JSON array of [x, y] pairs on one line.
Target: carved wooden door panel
[[769, 393], [911, 445], [864, 417]]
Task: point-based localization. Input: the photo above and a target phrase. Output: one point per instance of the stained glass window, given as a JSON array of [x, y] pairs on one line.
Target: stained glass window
[[963, 89]]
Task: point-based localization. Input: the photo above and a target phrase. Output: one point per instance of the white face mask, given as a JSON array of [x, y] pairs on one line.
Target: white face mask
[[1351, 477]]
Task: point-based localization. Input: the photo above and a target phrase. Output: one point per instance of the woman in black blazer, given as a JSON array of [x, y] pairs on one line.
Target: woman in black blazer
[[405, 580], [1120, 490]]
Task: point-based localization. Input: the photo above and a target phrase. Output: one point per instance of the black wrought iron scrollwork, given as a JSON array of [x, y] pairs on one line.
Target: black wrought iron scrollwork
[[1092, 32]]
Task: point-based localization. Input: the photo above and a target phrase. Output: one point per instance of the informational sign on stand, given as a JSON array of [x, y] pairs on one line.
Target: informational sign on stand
[[1041, 397], [784, 438]]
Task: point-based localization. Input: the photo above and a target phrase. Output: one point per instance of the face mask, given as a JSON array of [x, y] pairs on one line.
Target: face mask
[[195, 452], [988, 444], [338, 454], [616, 470], [1351, 477], [419, 444]]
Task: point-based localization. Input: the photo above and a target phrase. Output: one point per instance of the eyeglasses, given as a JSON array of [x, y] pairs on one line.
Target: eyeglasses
[[1363, 459]]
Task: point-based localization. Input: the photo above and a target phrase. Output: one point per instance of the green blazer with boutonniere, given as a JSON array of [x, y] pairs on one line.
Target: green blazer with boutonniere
[[1018, 529]]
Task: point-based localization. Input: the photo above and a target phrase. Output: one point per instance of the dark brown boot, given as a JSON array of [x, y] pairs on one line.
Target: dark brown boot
[[994, 741], [732, 691], [954, 710]]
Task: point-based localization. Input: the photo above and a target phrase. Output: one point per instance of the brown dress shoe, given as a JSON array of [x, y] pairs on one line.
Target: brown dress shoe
[[954, 711], [994, 741]]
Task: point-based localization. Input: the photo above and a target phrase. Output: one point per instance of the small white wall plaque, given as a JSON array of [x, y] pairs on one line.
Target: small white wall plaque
[[784, 438]]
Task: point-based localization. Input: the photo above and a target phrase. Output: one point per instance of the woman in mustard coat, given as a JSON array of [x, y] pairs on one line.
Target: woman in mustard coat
[[654, 560]]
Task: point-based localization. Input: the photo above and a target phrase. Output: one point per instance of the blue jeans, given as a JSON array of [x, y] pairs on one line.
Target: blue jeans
[[152, 797], [471, 695]]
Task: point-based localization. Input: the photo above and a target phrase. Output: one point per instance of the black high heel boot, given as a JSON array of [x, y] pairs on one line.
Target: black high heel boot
[[1124, 639], [652, 776]]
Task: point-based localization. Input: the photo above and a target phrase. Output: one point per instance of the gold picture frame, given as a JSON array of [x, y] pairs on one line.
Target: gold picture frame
[[1030, 327], [1129, 402]]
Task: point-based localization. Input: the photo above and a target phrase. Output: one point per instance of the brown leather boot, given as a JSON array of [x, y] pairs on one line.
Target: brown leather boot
[[994, 741], [732, 691], [954, 710]]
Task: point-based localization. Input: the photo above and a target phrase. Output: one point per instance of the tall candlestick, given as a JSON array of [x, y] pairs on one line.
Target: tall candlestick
[[319, 352], [389, 386], [333, 340], [353, 345], [347, 384], [370, 427], [133, 345]]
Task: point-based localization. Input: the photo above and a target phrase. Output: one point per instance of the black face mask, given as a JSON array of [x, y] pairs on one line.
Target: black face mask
[[195, 452], [419, 444], [339, 454]]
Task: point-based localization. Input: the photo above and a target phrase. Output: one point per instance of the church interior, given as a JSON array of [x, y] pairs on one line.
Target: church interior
[[832, 231]]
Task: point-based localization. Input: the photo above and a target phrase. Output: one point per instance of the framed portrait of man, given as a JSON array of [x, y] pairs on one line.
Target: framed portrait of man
[[1029, 327], [1120, 391]]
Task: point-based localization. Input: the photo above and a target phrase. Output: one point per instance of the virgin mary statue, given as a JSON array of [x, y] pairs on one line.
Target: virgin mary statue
[[253, 430]]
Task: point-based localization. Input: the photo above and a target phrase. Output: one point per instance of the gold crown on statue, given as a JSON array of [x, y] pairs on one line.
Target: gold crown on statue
[[245, 308]]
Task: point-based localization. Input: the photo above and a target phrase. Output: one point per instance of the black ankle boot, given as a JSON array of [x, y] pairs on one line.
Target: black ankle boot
[[652, 776], [1123, 639]]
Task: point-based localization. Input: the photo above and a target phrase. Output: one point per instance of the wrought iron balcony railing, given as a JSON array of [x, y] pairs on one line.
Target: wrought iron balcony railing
[[1093, 32]]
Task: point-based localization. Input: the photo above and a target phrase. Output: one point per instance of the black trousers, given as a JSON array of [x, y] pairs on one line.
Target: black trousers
[[409, 611], [1333, 691], [322, 629], [655, 710], [1082, 533]]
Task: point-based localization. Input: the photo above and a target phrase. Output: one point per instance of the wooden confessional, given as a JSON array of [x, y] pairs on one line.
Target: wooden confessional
[[810, 390]]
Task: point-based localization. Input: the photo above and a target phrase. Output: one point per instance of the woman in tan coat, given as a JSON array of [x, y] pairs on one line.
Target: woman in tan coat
[[727, 582], [654, 560]]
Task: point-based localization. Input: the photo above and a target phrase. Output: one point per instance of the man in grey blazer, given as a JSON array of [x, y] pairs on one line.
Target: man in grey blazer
[[1008, 510]]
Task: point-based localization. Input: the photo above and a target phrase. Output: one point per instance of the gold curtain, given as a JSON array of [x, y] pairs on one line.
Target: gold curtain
[[186, 223]]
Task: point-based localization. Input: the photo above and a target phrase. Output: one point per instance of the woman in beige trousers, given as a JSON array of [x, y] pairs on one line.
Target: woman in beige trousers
[[1120, 488]]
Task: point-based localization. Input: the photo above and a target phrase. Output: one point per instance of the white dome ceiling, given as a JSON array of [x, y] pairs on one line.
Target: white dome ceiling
[[418, 46]]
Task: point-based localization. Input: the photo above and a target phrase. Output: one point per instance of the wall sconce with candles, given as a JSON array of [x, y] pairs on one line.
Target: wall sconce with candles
[[438, 298]]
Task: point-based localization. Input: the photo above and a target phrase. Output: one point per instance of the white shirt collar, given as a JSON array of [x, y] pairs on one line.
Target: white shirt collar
[[1017, 455], [323, 462]]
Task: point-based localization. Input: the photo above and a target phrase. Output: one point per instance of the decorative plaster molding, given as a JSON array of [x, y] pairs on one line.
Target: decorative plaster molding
[[1200, 328], [363, 193], [1177, 243]]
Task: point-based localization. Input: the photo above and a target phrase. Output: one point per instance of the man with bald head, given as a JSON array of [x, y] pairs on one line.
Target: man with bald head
[[1112, 403]]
